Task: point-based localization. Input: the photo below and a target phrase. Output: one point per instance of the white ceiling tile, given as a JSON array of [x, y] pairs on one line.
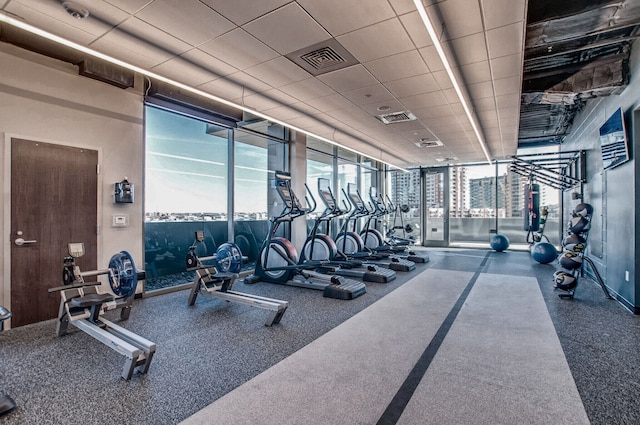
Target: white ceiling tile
[[431, 58], [475, 72], [431, 112], [505, 40], [508, 101], [330, 103], [469, 49], [311, 88], [239, 49], [462, 17], [451, 95], [351, 114], [208, 62], [508, 114], [498, 13], [223, 88], [405, 6], [116, 47], [305, 122], [189, 20], [480, 90], [130, 6], [280, 97], [387, 69], [412, 22], [351, 78], [484, 104], [306, 109], [508, 85], [259, 102], [53, 17], [287, 29], [424, 100], [507, 66], [377, 41], [442, 78], [250, 83], [186, 68], [418, 84], [142, 38], [278, 72], [370, 94], [285, 113], [372, 108], [242, 11], [342, 16]]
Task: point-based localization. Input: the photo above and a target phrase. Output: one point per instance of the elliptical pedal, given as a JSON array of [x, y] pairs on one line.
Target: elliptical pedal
[[344, 289], [401, 265], [418, 257]]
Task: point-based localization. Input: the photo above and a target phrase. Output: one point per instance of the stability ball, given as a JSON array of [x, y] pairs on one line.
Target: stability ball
[[544, 252], [499, 242]]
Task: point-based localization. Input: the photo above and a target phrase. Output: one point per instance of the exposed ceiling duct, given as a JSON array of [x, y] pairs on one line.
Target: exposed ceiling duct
[[574, 51]]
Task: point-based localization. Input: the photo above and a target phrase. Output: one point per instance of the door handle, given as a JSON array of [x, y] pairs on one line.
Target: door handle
[[21, 241]]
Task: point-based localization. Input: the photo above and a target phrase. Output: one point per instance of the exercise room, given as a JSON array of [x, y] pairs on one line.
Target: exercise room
[[332, 212]]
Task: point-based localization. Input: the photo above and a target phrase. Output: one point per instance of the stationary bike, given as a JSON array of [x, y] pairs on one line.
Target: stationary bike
[[6, 403]]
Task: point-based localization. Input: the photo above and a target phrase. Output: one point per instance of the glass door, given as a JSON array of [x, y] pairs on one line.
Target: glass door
[[435, 199]]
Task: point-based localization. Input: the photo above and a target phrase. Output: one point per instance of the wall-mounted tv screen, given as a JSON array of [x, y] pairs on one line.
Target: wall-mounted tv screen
[[613, 141]]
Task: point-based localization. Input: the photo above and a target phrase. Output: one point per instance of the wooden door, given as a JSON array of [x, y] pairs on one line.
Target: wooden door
[[53, 203]]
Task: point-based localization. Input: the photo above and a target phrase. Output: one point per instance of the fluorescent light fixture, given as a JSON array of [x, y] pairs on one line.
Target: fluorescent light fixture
[[436, 42], [49, 36]]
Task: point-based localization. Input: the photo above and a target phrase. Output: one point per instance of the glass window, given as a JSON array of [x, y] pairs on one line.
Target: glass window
[[404, 192], [185, 190], [256, 158]]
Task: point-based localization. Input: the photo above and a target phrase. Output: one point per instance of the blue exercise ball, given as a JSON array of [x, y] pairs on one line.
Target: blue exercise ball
[[544, 252], [499, 242]]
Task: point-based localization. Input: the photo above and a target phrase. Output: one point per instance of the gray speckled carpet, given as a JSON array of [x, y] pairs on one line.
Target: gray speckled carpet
[[207, 351]]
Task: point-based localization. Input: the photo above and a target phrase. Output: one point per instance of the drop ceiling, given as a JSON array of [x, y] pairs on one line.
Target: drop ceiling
[[241, 50]]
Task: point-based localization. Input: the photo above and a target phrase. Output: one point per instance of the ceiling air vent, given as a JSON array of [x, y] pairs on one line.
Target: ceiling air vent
[[425, 143], [323, 57], [395, 117], [447, 159]]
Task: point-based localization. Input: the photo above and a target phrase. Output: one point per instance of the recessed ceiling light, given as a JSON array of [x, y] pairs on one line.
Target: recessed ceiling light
[[383, 108], [75, 10]]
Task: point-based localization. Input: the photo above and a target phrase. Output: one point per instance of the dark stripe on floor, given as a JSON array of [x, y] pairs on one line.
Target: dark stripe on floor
[[399, 402]]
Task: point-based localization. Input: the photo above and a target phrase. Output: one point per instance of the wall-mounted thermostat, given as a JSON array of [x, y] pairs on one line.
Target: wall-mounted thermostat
[[120, 220]]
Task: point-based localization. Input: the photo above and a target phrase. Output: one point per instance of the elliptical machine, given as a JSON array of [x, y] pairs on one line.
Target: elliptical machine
[[320, 246], [6, 403], [278, 259], [352, 243]]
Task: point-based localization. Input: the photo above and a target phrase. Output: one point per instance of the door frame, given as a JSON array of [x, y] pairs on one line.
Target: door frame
[[5, 288], [423, 203]]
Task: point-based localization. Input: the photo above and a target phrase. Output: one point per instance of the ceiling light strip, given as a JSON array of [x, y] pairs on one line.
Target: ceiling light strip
[[45, 34], [436, 42]]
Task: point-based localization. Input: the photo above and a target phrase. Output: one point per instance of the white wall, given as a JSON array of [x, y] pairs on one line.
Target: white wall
[[44, 99]]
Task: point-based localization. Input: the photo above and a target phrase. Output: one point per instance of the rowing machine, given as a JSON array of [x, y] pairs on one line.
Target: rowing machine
[[82, 304], [210, 281]]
